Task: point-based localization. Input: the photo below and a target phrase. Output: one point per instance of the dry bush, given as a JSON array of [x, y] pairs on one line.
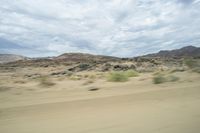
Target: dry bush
[[159, 79], [117, 77], [193, 64], [75, 77], [46, 81], [131, 73], [172, 78]]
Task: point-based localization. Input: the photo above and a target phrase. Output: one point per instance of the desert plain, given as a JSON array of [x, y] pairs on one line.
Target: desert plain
[[88, 102]]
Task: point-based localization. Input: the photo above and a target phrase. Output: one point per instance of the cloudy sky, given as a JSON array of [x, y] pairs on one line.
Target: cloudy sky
[[121, 28]]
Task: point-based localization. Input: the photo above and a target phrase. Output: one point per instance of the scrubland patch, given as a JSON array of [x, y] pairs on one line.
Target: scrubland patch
[[159, 79], [46, 81], [117, 77], [172, 78], [162, 78], [131, 73], [75, 77], [193, 64], [121, 76]]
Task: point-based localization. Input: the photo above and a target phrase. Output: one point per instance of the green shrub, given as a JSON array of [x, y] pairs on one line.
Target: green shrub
[[131, 73], [117, 77], [84, 66], [159, 79]]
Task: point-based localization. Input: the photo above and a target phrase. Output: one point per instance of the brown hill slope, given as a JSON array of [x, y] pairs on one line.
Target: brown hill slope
[[189, 51], [5, 58], [82, 57]]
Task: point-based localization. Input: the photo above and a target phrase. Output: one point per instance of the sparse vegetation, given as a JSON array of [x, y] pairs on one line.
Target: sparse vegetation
[[121, 76], [131, 73], [172, 78], [193, 64], [46, 82], [117, 77], [159, 79], [75, 77], [84, 66]]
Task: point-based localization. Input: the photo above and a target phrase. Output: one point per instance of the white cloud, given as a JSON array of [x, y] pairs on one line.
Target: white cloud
[[114, 27]]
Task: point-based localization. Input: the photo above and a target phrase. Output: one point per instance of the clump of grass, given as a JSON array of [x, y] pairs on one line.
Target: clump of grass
[[121, 76], [159, 79], [46, 82], [117, 77], [75, 77], [131, 73], [191, 63], [172, 78]]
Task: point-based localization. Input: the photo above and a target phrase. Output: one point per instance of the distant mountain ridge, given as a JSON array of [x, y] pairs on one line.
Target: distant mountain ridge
[[188, 51]]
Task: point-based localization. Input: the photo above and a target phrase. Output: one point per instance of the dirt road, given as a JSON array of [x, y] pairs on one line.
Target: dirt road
[[160, 111]]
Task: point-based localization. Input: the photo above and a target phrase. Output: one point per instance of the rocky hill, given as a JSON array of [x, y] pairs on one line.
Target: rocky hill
[[82, 57], [5, 58], [189, 51]]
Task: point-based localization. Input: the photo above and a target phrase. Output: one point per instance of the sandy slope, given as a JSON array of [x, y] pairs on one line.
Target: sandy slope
[[136, 106]]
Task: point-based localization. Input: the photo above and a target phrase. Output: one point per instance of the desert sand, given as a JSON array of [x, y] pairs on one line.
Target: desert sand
[[134, 106]]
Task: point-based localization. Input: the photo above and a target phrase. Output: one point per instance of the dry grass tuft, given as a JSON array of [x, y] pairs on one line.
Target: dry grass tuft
[[117, 77], [46, 81], [161, 78]]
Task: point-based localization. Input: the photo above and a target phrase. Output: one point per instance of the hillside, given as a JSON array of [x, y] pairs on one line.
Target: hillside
[[188, 51], [5, 58], [82, 57]]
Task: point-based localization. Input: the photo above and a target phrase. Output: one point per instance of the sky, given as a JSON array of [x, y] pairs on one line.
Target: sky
[[123, 28]]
